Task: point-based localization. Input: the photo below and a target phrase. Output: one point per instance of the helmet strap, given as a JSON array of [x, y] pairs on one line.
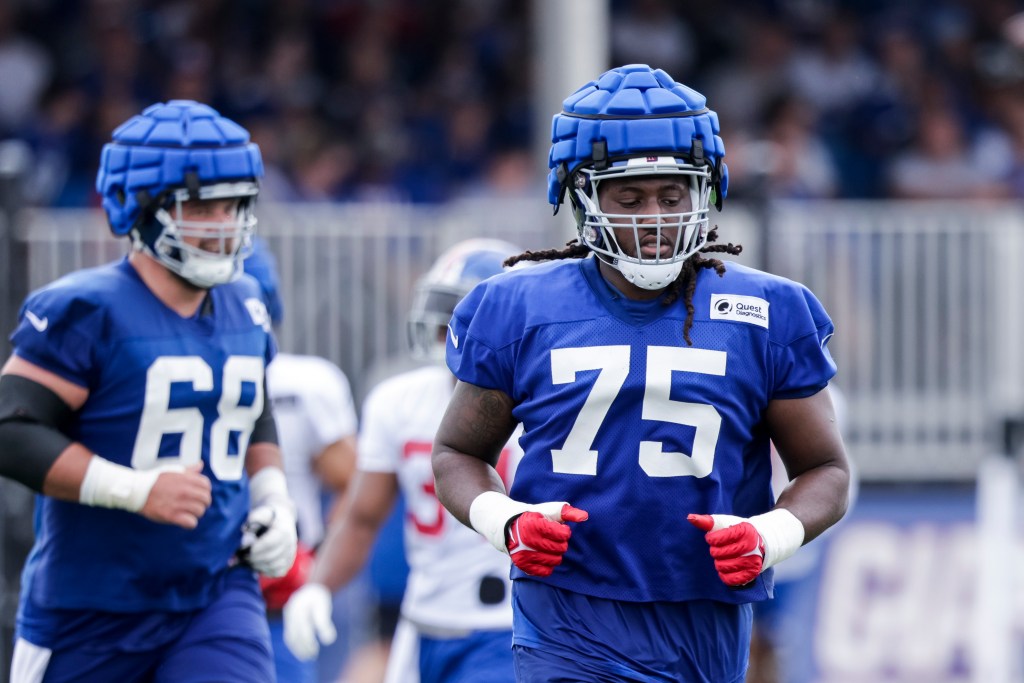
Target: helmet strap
[[599, 154], [697, 151], [562, 173], [144, 199], [192, 184]]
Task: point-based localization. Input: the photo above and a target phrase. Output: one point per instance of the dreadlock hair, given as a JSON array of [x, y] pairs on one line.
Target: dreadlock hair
[[686, 282]]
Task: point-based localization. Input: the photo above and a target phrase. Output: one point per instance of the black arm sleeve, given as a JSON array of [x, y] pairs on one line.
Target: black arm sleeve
[[265, 429], [32, 424]]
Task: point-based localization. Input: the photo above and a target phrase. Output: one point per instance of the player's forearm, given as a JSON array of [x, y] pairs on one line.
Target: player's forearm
[[460, 478], [344, 552], [818, 498], [336, 464], [36, 409], [350, 536], [260, 455], [64, 480], [82, 476]]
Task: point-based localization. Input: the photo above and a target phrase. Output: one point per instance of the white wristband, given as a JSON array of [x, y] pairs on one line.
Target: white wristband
[[268, 486], [490, 511], [109, 485], [782, 532]]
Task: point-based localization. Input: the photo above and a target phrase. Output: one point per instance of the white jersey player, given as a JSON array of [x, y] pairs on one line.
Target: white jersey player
[[317, 428], [456, 613], [316, 418]]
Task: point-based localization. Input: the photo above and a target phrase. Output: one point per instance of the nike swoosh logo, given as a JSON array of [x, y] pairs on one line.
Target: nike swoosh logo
[[455, 337], [41, 323]]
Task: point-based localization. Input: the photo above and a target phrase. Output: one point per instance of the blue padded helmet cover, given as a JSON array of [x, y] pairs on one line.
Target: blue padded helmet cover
[[635, 110], [154, 151]]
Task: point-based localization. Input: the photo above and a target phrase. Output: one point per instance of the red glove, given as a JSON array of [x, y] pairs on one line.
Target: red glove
[[536, 544], [738, 550], [276, 591]]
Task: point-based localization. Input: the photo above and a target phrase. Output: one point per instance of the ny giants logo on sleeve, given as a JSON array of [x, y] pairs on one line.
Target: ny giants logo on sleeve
[[258, 312], [739, 308]]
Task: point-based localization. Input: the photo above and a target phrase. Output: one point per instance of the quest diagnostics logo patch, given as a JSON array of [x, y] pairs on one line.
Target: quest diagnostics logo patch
[[739, 308]]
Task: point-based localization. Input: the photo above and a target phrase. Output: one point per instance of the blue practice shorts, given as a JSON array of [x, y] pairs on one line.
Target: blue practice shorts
[[565, 637], [227, 642], [481, 657]]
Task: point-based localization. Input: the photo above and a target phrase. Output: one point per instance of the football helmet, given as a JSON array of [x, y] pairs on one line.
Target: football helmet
[[637, 121], [451, 277], [170, 154]]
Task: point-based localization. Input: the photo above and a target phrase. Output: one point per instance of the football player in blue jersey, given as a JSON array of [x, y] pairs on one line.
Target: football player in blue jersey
[[134, 404], [650, 381]]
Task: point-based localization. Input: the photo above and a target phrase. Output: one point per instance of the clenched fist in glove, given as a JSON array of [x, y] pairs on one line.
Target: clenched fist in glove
[[536, 544], [535, 536], [307, 621], [269, 537], [744, 547]]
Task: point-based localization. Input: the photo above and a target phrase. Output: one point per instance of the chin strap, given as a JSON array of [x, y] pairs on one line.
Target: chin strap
[[651, 277]]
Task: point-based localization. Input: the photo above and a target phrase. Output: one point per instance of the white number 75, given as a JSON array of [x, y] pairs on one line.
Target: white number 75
[[576, 456]]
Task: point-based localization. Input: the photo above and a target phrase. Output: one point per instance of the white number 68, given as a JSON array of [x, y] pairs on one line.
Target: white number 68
[[158, 418]]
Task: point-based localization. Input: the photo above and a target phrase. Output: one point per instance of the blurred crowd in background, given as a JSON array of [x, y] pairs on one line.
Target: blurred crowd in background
[[404, 100]]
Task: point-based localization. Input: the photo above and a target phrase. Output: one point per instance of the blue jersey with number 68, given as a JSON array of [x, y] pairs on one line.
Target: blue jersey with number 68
[[162, 390], [625, 420]]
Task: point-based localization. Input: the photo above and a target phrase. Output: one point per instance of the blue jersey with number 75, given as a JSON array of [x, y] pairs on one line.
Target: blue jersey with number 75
[[163, 389], [624, 419]]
